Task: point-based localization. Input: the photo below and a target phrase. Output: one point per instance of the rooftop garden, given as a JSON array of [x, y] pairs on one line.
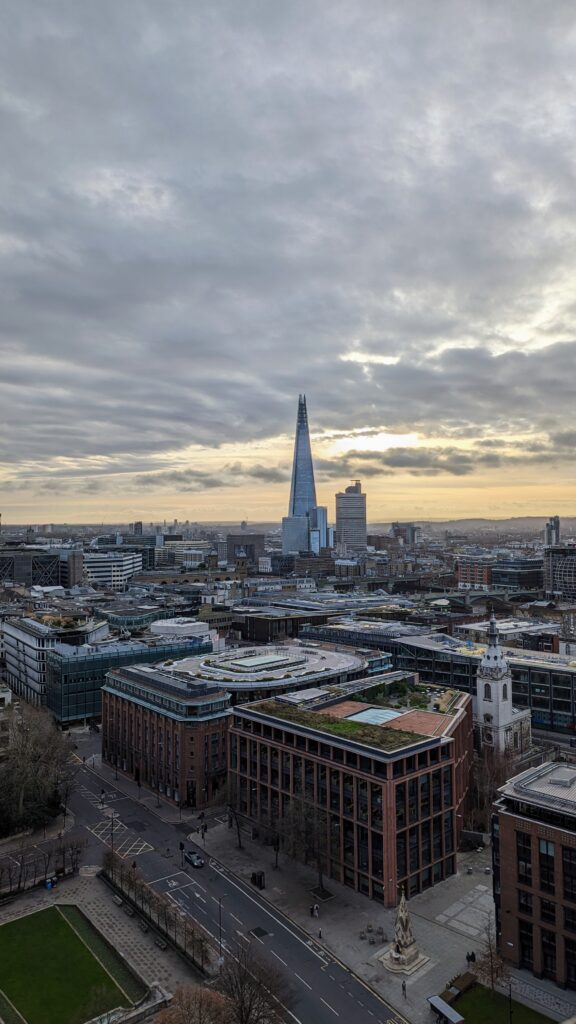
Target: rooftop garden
[[371, 735]]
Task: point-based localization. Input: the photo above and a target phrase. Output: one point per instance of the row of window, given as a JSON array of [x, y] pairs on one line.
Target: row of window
[[400, 767], [546, 865]]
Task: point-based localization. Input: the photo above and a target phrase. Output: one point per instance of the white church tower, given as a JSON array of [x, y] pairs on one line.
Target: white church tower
[[498, 724]]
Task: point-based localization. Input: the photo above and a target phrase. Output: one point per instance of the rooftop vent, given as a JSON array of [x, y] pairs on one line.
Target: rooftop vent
[[563, 777]]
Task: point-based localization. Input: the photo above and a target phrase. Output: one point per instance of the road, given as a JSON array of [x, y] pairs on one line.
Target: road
[[324, 991]]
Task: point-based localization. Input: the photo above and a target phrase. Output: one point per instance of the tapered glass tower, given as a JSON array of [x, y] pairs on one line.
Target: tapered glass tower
[[303, 489]]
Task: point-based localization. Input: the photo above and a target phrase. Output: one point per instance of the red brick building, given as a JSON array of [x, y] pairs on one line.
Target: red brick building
[[387, 787], [167, 733], [474, 572], [534, 851]]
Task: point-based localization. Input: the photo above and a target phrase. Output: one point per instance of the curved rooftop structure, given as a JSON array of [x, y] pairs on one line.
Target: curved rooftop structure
[[246, 671]]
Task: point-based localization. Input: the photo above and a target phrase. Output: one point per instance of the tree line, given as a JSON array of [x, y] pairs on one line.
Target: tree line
[[36, 771]]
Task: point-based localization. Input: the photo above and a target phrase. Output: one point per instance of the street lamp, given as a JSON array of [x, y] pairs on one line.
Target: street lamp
[[220, 898]]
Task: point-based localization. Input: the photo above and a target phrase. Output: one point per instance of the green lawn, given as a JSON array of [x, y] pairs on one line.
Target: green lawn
[[48, 973], [479, 1005]]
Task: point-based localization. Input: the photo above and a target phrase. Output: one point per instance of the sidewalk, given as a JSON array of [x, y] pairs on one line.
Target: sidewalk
[[447, 921]]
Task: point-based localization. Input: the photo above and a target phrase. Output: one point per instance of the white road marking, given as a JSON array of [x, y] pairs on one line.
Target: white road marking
[[329, 1007], [236, 918], [261, 907], [164, 877], [302, 980], [279, 958]]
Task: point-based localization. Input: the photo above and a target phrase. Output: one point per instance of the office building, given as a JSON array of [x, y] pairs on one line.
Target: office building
[[318, 529], [474, 572], [303, 488], [407, 533], [27, 642], [351, 517], [167, 733], [296, 525], [560, 573], [518, 574], [534, 856], [385, 788], [552, 532], [244, 545], [543, 682], [295, 535], [111, 570], [36, 567], [251, 673], [74, 676]]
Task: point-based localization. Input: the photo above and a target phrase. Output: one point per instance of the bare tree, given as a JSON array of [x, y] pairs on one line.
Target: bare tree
[[492, 768], [195, 1005], [490, 968], [38, 760], [257, 992], [304, 832]]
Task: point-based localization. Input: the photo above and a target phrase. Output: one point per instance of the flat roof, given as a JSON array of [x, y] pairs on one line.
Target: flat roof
[[552, 784]]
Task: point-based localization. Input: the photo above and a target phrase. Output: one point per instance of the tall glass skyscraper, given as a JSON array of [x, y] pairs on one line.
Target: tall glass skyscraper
[[303, 489], [296, 525]]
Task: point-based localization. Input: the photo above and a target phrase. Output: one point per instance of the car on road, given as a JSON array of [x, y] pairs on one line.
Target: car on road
[[194, 859]]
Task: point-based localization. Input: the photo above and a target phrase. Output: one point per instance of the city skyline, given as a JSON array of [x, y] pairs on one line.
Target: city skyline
[[208, 212]]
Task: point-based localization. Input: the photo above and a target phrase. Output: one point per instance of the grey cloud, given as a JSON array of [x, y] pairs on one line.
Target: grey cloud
[[205, 208]]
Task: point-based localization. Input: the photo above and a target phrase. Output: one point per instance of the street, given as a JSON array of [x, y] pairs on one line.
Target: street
[[232, 912]]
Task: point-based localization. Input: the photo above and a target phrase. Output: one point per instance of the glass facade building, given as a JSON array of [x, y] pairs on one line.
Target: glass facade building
[[75, 675]]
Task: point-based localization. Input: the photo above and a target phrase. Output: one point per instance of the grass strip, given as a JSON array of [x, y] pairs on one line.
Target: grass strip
[[110, 960], [49, 975]]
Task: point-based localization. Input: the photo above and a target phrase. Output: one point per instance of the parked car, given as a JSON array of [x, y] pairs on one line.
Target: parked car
[[194, 859]]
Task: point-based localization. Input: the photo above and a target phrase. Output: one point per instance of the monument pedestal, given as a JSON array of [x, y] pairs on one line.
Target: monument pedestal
[[407, 961]]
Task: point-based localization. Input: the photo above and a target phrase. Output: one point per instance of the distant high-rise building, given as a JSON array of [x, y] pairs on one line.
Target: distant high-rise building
[[407, 533], [552, 532], [138, 528], [351, 517], [303, 489], [296, 525]]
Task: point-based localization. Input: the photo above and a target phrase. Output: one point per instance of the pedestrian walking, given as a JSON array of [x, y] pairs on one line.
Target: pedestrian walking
[[404, 988], [319, 933], [316, 910]]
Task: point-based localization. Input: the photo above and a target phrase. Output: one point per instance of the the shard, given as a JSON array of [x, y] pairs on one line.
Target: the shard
[[303, 489]]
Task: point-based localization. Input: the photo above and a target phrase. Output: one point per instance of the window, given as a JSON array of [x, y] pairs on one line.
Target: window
[[525, 902], [548, 911], [504, 692], [569, 919], [546, 849], [549, 954], [570, 953], [525, 939], [487, 692], [569, 872], [524, 858]]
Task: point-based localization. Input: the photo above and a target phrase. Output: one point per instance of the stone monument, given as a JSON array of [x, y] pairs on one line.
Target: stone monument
[[403, 956]]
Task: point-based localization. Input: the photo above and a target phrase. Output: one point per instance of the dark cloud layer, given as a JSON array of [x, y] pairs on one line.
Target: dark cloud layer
[[206, 209]]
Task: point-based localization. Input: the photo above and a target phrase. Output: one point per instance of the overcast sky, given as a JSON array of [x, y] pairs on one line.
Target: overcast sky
[[208, 208]]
